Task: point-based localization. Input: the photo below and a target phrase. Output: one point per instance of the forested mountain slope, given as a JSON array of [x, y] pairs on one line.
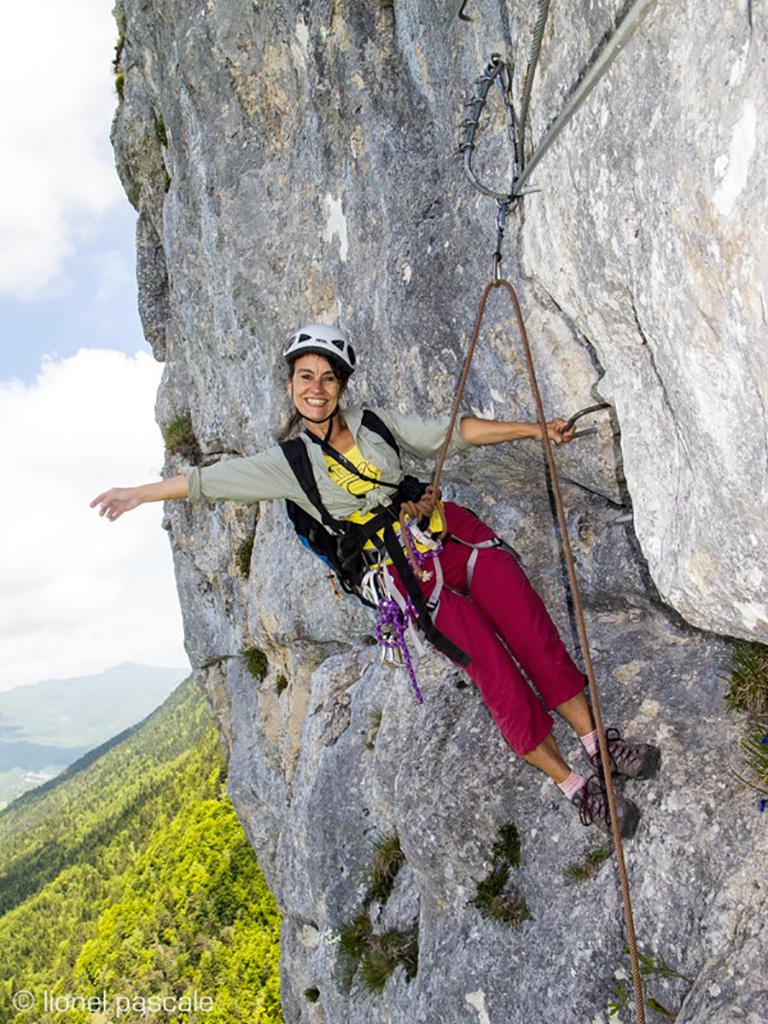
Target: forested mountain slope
[[130, 877]]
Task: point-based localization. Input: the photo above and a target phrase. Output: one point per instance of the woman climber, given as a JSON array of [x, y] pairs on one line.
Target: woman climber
[[437, 561]]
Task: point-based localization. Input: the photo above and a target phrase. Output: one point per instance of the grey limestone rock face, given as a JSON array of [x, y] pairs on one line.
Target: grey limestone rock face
[[294, 161], [660, 189]]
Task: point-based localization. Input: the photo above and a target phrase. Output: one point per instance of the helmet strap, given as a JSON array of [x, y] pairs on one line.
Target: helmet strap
[[329, 431]]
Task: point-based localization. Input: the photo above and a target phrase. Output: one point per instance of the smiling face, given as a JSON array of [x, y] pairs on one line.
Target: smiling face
[[314, 387]]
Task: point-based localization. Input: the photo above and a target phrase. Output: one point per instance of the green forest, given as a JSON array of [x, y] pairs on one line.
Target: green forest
[[128, 888]]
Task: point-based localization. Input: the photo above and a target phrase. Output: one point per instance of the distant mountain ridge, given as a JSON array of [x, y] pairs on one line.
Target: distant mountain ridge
[[46, 726]]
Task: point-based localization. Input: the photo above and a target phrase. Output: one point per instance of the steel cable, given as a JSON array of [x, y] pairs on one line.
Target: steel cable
[[530, 72]]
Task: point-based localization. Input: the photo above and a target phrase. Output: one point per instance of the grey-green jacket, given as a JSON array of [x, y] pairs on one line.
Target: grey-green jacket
[[268, 475]]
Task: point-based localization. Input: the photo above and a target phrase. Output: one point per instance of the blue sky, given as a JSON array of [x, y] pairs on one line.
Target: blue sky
[[77, 379], [92, 304]]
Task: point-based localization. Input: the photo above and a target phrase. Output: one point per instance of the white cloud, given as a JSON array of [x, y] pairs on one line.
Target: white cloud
[[57, 169], [77, 593]]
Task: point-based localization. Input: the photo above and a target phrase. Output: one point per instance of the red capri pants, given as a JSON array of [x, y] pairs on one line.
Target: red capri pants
[[503, 625]]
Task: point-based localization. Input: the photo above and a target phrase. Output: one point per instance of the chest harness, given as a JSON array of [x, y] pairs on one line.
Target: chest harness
[[360, 569]]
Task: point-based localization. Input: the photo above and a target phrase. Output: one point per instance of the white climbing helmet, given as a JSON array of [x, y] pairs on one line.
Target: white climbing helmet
[[323, 340]]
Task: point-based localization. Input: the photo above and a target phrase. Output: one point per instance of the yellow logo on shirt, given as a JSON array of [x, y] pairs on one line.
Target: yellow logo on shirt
[[347, 479]]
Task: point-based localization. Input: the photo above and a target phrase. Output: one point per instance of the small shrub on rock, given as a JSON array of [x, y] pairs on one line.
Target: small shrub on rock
[[256, 662]]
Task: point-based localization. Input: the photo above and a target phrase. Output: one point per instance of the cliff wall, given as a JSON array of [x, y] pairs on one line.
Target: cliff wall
[[293, 161]]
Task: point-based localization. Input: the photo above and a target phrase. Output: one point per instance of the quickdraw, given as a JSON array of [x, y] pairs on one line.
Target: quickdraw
[[398, 615], [394, 620]]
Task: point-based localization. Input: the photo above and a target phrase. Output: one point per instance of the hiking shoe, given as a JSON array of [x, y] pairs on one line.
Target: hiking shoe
[[592, 802], [632, 760]]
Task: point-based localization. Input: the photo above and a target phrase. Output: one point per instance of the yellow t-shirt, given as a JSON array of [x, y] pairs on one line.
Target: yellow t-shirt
[[350, 482]]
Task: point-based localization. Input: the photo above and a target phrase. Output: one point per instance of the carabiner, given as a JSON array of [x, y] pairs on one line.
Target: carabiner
[[501, 224]]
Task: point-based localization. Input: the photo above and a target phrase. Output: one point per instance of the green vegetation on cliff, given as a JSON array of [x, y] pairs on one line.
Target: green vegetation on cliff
[[131, 878]]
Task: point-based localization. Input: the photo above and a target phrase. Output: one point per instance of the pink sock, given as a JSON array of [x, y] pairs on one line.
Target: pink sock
[[590, 742], [572, 784]]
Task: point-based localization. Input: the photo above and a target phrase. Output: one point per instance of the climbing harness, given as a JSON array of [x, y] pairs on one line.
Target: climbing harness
[[341, 544], [362, 570], [496, 71]]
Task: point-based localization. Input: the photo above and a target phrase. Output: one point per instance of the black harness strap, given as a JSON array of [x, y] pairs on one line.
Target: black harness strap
[[373, 422], [297, 455]]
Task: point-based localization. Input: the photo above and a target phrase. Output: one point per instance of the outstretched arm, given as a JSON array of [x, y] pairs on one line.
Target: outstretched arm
[[477, 431], [117, 500]]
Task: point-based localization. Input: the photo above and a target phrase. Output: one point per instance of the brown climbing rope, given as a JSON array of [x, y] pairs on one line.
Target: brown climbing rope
[[497, 71], [605, 759]]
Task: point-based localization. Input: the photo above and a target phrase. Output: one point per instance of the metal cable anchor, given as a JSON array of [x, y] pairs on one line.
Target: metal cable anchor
[[585, 412]]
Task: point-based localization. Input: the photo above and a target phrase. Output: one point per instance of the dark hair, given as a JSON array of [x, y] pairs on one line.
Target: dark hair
[[340, 369], [342, 373]]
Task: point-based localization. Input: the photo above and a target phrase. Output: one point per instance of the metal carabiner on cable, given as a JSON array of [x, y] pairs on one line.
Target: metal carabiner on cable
[[496, 71], [501, 224]]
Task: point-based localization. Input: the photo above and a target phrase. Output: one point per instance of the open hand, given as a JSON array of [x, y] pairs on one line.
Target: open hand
[[114, 502]]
